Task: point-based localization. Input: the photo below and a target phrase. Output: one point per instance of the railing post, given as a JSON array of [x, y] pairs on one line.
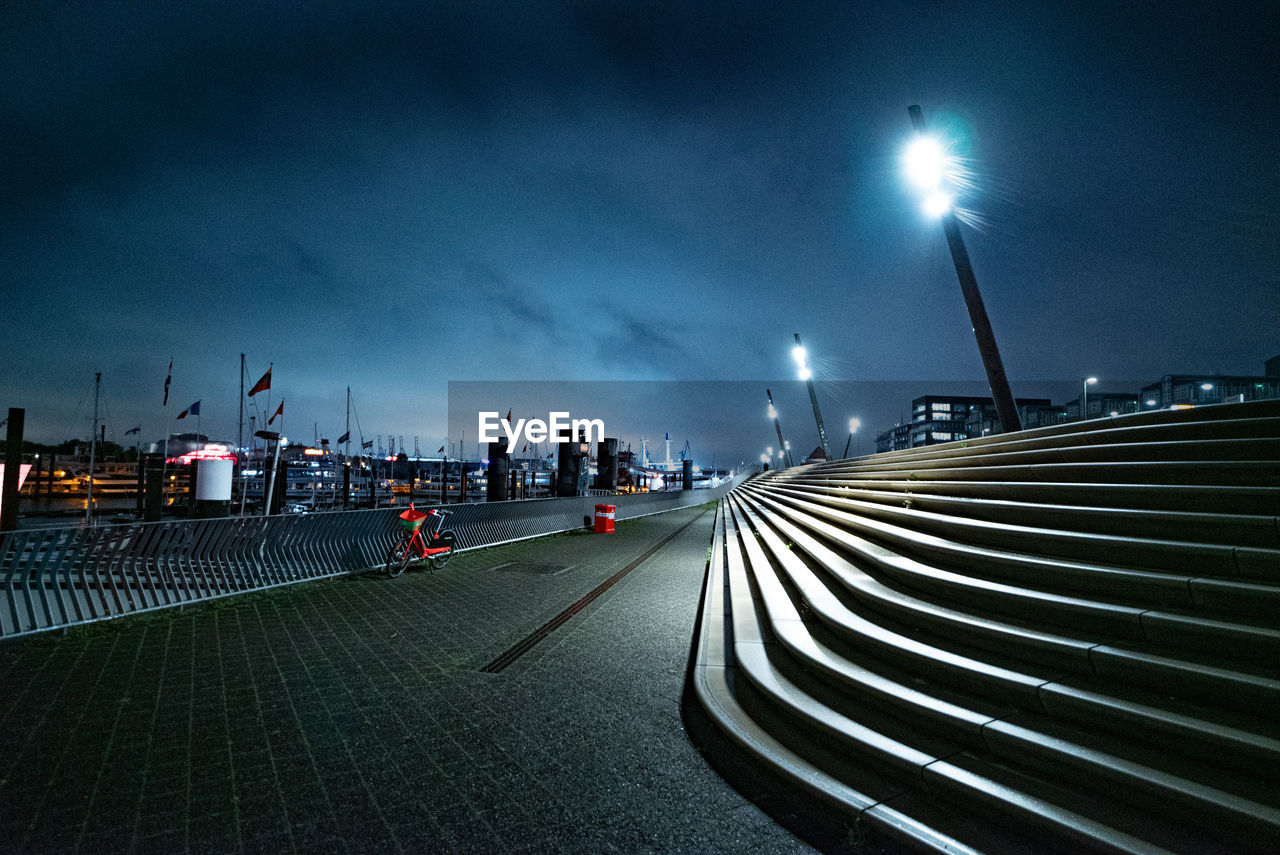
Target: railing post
[[12, 469]]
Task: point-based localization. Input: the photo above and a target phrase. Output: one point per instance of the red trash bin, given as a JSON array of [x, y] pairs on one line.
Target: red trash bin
[[605, 517]]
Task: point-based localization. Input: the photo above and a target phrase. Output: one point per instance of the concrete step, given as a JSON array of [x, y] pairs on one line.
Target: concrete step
[[1255, 530], [1071, 632]]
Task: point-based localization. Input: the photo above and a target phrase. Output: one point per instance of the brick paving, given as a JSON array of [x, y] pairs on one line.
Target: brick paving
[[352, 715]]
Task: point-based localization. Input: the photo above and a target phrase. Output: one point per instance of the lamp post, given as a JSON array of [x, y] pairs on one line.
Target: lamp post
[[929, 168], [806, 374], [773, 414], [1084, 398], [854, 424]]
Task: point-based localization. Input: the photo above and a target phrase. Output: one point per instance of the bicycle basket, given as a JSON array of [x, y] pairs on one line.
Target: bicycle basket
[[411, 520]]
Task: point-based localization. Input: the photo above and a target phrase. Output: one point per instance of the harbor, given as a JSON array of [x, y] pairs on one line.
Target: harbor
[[59, 491]]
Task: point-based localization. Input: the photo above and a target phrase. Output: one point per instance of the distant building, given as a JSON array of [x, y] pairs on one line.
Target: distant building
[[944, 418], [1035, 417], [1199, 389], [816, 456], [895, 438], [1032, 412], [1102, 404]]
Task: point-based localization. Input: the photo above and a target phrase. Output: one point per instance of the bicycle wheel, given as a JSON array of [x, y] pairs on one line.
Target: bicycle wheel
[[398, 557], [438, 561]]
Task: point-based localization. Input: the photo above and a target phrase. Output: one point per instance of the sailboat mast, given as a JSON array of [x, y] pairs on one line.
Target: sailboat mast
[[347, 450], [240, 426], [93, 443]]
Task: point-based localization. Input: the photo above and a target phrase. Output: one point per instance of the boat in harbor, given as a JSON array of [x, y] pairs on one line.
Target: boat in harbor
[[313, 479]]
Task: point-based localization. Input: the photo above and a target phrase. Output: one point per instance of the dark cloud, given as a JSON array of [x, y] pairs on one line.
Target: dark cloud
[[664, 190]]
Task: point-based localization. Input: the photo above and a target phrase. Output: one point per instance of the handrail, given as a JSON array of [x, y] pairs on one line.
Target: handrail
[[53, 578]]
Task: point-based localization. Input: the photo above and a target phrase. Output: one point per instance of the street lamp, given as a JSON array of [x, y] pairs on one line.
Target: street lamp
[[777, 425], [806, 374], [1084, 399], [854, 424], [928, 167]]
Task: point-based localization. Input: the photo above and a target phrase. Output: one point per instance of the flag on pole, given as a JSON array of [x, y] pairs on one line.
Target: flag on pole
[[368, 444], [279, 410], [346, 436], [138, 429], [440, 449], [4, 421], [193, 410], [262, 385], [167, 378]]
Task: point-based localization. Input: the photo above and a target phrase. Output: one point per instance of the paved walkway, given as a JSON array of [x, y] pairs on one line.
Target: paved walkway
[[352, 715]]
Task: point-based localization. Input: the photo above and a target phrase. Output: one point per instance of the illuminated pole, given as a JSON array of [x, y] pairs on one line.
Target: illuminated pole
[[1005, 406], [854, 424], [1084, 398], [773, 414], [806, 374], [93, 443]]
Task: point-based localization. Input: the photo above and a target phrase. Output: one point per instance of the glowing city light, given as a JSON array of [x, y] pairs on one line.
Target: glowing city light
[[925, 162], [937, 203]]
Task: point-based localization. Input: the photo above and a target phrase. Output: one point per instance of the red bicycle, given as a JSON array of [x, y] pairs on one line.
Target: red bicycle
[[420, 540]]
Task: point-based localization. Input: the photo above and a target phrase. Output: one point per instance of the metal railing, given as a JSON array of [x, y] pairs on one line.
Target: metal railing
[[59, 577]]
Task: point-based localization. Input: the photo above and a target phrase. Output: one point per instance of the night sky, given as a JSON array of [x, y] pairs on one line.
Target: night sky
[[391, 196]]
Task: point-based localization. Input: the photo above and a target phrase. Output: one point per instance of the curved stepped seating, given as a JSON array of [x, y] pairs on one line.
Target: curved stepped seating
[[1041, 641]]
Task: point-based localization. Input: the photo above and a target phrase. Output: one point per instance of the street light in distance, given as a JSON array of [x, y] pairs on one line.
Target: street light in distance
[[854, 424], [801, 357], [929, 168], [1084, 398]]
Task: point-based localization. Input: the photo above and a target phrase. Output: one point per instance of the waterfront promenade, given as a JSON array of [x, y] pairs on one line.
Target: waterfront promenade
[[353, 715]]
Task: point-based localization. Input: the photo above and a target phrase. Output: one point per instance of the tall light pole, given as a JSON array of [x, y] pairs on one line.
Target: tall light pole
[[1084, 399], [806, 374], [929, 172], [854, 424], [773, 414]]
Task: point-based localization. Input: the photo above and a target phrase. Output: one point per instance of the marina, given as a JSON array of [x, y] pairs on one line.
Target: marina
[[310, 479]]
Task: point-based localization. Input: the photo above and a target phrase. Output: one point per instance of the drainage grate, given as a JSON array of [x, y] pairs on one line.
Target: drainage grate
[[527, 643], [533, 569]]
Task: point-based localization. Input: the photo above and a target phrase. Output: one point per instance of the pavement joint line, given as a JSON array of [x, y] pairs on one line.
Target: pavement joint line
[[531, 640]]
